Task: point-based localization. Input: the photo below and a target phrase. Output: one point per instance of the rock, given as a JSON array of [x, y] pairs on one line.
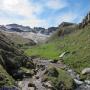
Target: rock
[[9, 88], [78, 82], [20, 83], [47, 85], [83, 87], [31, 88], [31, 85], [63, 54], [87, 82], [72, 73], [54, 61], [1, 78], [86, 71], [37, 77]]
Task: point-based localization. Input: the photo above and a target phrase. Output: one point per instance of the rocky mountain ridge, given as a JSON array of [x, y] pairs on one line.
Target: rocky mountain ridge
[[21, 28]]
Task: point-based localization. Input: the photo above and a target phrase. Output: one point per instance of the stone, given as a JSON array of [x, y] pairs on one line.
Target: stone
[[37, 77], [31, 88], [87, 82], [31, 85], [47, 84], [78, 82], [85, 71]]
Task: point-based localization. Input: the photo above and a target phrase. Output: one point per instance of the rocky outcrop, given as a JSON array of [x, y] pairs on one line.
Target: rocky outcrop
[[11, 60], [86, 71], [21, 28]]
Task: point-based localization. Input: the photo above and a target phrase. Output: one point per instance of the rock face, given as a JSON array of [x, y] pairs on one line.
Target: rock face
[[85, 21], [21, 28], [18, 28], [11, 59]]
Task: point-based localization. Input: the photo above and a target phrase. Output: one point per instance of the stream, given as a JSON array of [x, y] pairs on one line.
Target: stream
[[41, 69]]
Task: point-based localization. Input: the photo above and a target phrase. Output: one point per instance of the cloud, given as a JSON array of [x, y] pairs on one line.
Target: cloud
[[17, 8], [20, 7], [57, 4], [35, 22], [43, 13]]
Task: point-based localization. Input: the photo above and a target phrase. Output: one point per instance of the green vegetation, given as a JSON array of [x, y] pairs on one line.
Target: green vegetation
[[77, 43], [60, 81], [5, 78]]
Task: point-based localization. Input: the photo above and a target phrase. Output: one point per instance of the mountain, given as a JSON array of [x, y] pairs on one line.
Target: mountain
[[64, 24], [36, 34], [48, 31], [18, 28], [21, 28]]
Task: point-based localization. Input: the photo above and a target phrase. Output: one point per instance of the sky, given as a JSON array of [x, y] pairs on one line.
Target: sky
[[42, 13]]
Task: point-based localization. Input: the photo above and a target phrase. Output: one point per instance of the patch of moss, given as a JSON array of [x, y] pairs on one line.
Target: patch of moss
[[63, 81], [5, 78]]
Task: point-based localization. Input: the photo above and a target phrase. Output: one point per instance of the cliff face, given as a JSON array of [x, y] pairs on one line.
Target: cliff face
[[11, 60]]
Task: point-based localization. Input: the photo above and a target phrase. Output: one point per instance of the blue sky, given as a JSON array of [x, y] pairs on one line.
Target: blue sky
[[44, 13]]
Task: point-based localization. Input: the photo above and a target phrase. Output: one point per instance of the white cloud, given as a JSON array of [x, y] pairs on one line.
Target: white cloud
[[57, 4], [4, 21], [31, 10], [25, 7], [35, 22]]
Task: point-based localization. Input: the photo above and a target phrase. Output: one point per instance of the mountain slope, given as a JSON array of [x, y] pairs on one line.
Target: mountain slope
[[11, 60]]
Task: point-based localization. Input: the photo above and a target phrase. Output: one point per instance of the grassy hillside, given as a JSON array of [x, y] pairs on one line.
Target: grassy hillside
[[77, 43]]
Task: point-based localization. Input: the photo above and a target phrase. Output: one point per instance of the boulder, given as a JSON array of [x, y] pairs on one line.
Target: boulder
[[86, 71], [78, 82], [87, 82]]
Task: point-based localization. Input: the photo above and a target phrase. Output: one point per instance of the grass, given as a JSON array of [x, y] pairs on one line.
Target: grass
[[5, 78], [61, 82], [46, 50], [77, 43]]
